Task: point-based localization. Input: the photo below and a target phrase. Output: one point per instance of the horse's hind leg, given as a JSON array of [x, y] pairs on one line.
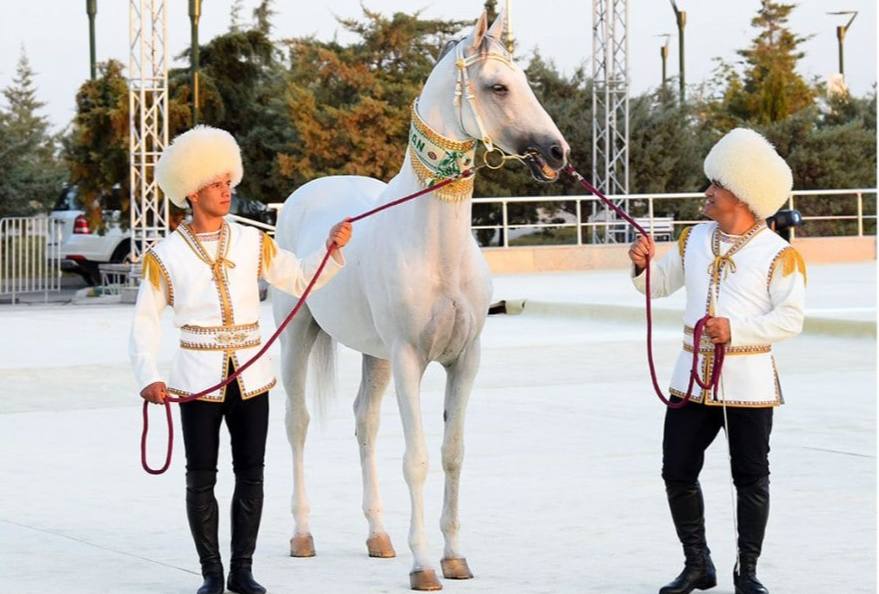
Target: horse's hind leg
[[367, 408], [296, 343]]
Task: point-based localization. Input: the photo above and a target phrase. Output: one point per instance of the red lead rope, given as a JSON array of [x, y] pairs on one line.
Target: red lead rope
[[719, 350], [234, 375], [697, 333]]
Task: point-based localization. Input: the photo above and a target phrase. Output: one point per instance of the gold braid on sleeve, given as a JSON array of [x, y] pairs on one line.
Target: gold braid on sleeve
[[152, 270], [791, 261], [267, 254]]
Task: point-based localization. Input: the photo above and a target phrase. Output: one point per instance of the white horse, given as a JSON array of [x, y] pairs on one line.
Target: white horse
[[415, 288]]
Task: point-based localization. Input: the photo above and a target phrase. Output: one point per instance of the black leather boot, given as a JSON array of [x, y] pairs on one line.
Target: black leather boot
[[753, 513], [246, 514], [201, 510], [688, 514]]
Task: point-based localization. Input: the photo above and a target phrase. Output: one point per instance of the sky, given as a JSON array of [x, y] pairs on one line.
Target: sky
[[54, 33]]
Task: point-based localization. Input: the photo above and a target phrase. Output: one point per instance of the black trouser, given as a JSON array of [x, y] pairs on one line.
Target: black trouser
[[691, 429], [688, 433], [247, 421]]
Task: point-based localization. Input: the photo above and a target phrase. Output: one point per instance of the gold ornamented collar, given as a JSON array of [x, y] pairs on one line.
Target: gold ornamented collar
[[435, 158]]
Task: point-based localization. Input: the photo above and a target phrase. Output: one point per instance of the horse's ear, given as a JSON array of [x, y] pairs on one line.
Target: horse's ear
[[479, 31], [499, 27]]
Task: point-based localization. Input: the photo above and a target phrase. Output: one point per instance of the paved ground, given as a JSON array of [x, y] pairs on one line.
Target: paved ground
[[561, 492]]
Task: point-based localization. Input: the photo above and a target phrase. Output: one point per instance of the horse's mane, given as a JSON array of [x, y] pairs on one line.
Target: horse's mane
[[449, 46]]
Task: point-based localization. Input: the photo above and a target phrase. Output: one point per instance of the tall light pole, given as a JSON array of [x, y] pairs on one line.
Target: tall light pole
[[681, 18], [91, 8], [841, 30], [663, 53], [194, 16]]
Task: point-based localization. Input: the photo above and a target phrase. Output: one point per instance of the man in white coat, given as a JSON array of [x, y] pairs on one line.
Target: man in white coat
[[752, 284], [207, 272]]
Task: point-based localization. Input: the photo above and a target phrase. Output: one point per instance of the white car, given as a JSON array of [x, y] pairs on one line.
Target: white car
[[83, 248]]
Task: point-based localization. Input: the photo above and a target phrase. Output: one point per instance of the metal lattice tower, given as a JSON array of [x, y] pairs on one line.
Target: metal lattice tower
[[148, 105], [610, 105]]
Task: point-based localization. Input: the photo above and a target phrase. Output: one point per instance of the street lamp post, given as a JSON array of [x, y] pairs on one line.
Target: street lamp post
[[681, 18], [91, 8], [841, 30], [194, 16], [663, 53]]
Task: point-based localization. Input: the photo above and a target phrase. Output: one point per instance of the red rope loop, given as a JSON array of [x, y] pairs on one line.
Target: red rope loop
[[719, 349]]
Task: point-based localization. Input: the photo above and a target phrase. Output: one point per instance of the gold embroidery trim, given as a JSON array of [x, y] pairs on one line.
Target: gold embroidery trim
[[682, 241], [215, 329], [731, 350], [734, 403], [225, 338], [708, 347], [223, 346], [218, 267], [221, 397]]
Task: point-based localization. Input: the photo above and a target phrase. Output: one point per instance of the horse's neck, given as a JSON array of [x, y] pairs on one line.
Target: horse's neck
[[440, 228]]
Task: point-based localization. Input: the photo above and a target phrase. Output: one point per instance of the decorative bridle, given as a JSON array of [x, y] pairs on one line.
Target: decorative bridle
[[464, 90]]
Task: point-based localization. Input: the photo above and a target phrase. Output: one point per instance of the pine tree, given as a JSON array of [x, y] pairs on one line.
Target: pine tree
[[770, 89], [235, 16], [31, 174], [96, 149], [263, 14]]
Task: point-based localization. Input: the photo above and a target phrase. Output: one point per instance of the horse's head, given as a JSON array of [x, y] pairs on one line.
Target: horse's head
[[495, 103]]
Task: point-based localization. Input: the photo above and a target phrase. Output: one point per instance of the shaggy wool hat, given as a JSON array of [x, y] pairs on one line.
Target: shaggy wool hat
[[746, 164], [195, 159]]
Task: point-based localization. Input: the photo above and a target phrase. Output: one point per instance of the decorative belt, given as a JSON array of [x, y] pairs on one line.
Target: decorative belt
[[707, 347], [220, 338]]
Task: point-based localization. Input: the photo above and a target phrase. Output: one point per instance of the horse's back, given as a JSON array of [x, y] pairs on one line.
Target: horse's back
[[310, 211], [340, 308]]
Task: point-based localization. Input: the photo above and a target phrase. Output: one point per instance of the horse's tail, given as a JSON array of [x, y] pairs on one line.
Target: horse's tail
[[323, 370]]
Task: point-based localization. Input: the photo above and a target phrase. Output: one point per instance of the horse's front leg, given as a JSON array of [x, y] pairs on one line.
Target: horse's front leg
[[408, 367], [459, 382]]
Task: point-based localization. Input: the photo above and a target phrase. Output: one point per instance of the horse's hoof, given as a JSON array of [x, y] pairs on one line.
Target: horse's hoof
[[456, 569], [379, 546], [424, 581], [302, 545]]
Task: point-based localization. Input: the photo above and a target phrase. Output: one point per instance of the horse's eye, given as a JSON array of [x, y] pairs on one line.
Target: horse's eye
[[500, 89]]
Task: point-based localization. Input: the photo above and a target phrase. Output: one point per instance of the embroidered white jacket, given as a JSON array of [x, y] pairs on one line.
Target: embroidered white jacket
[[213, 290], [758, 281]]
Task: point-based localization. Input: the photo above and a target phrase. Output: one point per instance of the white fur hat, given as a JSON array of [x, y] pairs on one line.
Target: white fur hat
[[195, 159], [746, 164]]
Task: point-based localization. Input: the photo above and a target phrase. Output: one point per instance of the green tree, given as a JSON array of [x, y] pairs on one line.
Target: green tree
[[831, 148], [235, 24], [666, 150], [96, 149], [769, 89], [262, 15], [349, 105], [241, 90], [31, 175]]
